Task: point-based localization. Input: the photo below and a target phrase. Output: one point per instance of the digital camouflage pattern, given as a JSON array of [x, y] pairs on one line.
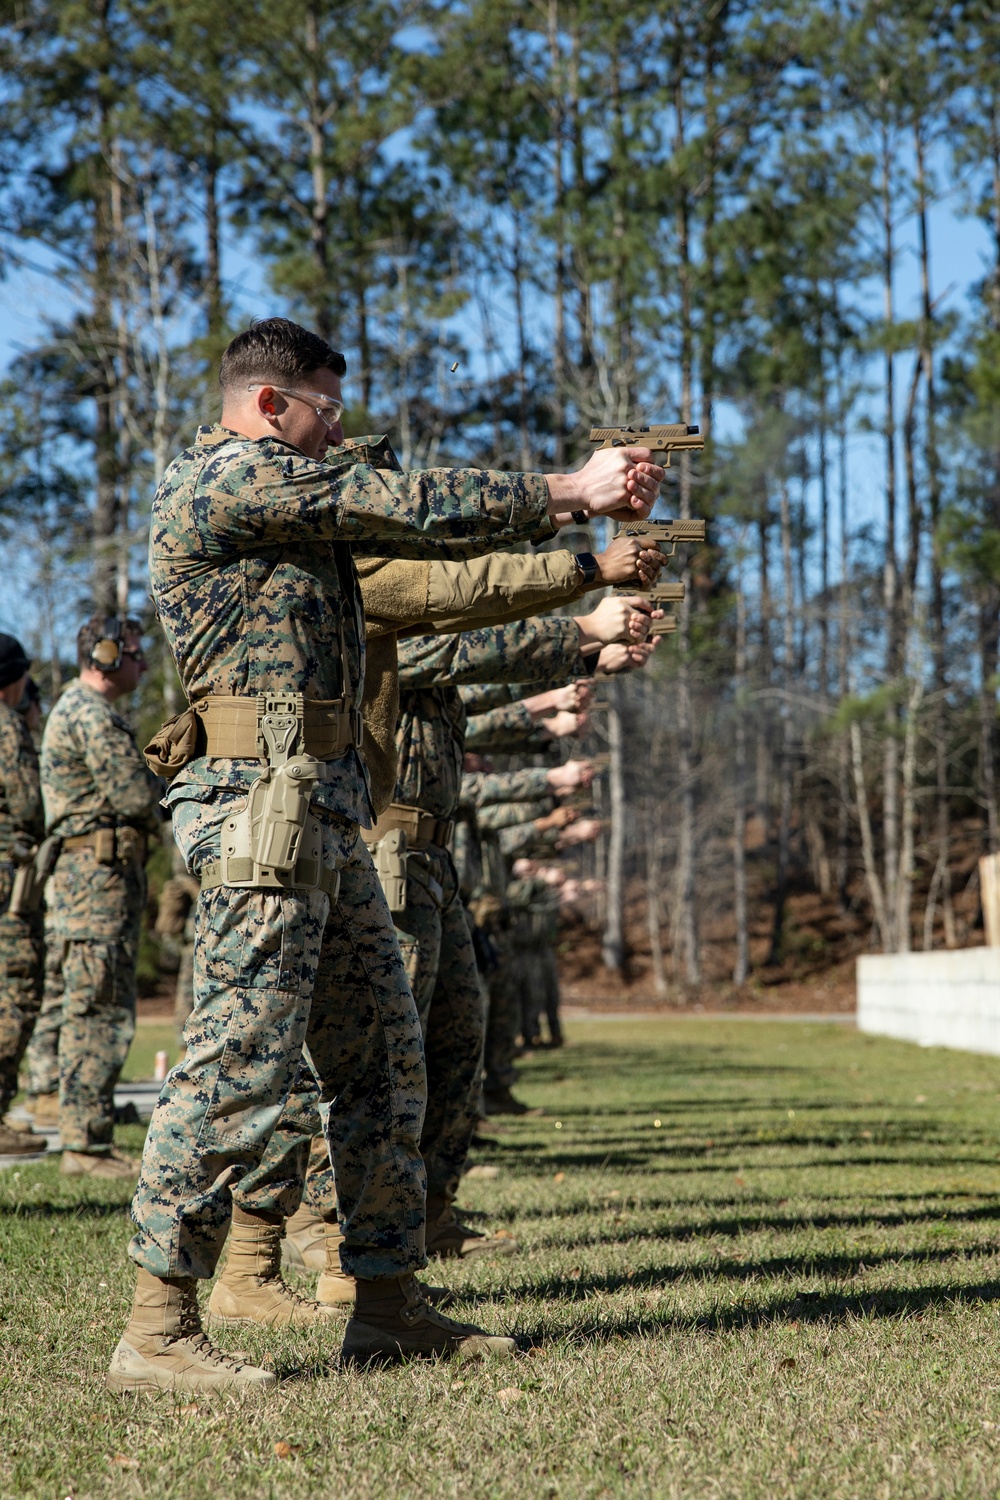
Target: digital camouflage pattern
[[434, 933], [252, 573], [524, 840], [175, 923], [534, 906], [510, 728], [500, 816], [276, 971], [42, 1057], [430, 735], [481, 789], [21, 946], [436, 943], [20, 790], [251, 568], [94, 777]]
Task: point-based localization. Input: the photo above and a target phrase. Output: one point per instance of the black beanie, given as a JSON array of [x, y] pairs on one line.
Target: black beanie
[[13, 662]]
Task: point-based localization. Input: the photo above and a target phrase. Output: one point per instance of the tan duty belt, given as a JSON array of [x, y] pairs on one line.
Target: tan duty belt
[[232, 727], [109, 844], [419, 827]]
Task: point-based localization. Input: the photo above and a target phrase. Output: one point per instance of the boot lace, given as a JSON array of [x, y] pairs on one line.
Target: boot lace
[[190, 1332], [417, 1308]]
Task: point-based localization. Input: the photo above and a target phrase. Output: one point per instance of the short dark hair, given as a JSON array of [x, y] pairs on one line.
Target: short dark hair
[[279, 351], [100, 628]]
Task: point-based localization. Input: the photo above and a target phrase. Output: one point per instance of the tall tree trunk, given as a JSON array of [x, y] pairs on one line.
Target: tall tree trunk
[[214, 308], [904, 894], [890, 744], [316, 123], [990, 600], [843, 651], [787, 727], [556, 97], [613, 947], [741, 967], [578, 144], [686, 918], [762, 757], [105, 262], [824, 544], [875, 889], [940, 887], [654, 922], [523, 424]]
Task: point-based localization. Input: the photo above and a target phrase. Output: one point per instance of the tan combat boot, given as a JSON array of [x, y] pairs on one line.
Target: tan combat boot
[[449, 1238], [43, 1109], [164, 1348], [304, 1245], [336, 1289], [15, 1141], [113, 1163], [393, 1320], [250, 1289]]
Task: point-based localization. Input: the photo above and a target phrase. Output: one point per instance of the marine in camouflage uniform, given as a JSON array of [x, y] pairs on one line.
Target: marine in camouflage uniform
[[101, 801], [252, 574], [253, 580], [433, 932], [21, 945]]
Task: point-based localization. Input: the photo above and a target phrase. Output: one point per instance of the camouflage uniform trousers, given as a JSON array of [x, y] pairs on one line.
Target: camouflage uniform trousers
[[42, 1056], [436, 943], [503, 1020], [95, 911], [184, 993], [541, 973], [274, 972], [21, 960]]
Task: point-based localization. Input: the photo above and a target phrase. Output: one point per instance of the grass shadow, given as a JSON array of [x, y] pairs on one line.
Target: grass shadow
[[823, 1308]]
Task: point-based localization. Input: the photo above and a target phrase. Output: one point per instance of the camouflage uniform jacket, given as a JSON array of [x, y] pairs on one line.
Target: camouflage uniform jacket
[[481, 697], [482, 788], [430, 735], [20, 791], [251, 570], [93, 775], [524, 838], [506, 730], [503, 815]]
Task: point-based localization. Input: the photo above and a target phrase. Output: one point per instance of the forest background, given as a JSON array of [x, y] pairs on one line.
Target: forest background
[[718, 214]]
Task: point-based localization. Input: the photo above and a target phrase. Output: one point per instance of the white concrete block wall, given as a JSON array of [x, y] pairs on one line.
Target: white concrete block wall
[[945, 999]]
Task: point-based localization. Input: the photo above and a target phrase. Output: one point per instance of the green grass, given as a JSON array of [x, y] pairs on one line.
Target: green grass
[[150, 1038], [790, 1286]]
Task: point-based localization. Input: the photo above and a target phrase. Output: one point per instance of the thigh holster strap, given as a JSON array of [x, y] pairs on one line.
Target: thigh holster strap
[[307, 876]]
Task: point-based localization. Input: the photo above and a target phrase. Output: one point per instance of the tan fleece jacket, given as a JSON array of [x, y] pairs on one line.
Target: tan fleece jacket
[[419, 598]]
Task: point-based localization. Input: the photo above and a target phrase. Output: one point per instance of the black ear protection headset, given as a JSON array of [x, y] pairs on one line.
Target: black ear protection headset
[[108, 651]]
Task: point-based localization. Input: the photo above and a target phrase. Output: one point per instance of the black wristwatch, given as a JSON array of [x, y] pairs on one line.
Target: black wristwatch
[[588, 565]]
